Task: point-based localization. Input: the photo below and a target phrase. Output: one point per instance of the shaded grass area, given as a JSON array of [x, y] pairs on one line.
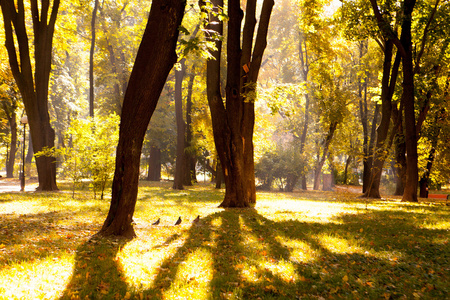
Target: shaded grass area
[[309, 245]]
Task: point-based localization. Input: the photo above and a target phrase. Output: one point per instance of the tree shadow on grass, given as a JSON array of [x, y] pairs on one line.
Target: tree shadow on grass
[[244, 255], [96, 272]]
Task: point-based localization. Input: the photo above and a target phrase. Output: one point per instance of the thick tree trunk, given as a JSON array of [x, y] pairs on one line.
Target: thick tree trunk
[[412, 172], [180, 160], [154, 164], [155, 58], [33, 87]]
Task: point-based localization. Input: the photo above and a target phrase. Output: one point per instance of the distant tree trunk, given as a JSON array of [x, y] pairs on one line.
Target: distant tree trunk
[[370, 154], [154, 164], [91, 60], [400, 150], [347, 163], [155, 58], [381, 148], [11, 155], [180, 160], [304, 64], [34, 87], [320, 163], [190, 172]]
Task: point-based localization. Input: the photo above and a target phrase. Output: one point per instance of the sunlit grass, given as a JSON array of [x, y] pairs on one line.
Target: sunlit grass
[[305, 245]]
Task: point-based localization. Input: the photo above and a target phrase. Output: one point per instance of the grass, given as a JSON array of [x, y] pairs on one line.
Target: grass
[[306, 245]]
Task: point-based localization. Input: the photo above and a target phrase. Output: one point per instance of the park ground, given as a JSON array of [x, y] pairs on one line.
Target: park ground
[[303, 245]]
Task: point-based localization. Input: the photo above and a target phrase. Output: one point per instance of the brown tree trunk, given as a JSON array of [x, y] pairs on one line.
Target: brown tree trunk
[[304, 64], [412, 172], [320, 163], [233, 123], [91, 60], [155, 58], [180, 159], [34, 87], [381, 148], [190, 172], [11, 155], [154, 164]]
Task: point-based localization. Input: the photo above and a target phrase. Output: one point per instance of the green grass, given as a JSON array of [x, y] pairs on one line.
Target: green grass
[[308, 245]]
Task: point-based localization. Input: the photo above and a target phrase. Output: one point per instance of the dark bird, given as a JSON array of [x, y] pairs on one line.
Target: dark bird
[[178, 222], [156, 222], [196, 220]]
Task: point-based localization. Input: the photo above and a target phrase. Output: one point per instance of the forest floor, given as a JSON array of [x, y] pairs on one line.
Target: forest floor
[[302, 245]]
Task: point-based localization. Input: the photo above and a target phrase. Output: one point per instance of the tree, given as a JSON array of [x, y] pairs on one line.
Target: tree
[[91, 60], [33, 86], [155, 58], [9, 96], [233, 121]]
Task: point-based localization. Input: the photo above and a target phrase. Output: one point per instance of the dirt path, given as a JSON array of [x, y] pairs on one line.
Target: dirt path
[[8, 185]]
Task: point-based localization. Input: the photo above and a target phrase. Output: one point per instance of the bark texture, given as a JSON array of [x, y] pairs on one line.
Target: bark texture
[[155, 58], [33, 85]]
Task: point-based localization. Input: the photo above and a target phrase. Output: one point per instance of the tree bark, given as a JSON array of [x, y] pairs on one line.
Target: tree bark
[[180, 159], [233, 123], [320, 163], [10, 112], [91, 60], [34, 87], [155, 58], [154, 164], [190, 172], [381, 148], [412, 171]]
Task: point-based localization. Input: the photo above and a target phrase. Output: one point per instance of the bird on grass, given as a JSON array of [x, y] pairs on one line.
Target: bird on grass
[[196, 220], [156, 222], [178, 222]]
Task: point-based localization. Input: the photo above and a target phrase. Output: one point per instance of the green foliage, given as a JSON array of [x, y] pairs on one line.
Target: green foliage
[[279, 167], [91, 151]]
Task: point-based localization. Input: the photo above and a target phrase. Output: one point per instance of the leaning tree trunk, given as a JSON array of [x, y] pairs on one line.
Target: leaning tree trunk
[[381, 147], [155, 58]]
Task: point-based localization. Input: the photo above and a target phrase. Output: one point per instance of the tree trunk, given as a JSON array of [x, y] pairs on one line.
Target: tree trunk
[[190, 172], [381, 148], [412, 172], [34, 87], [154, 164], [320, 163], [91, 60], [233, 124], [400, 157], [180, 160], [11, 155], [155, 58]]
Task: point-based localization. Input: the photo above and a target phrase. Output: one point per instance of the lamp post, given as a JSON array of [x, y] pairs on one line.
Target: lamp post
[[24, 121]]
